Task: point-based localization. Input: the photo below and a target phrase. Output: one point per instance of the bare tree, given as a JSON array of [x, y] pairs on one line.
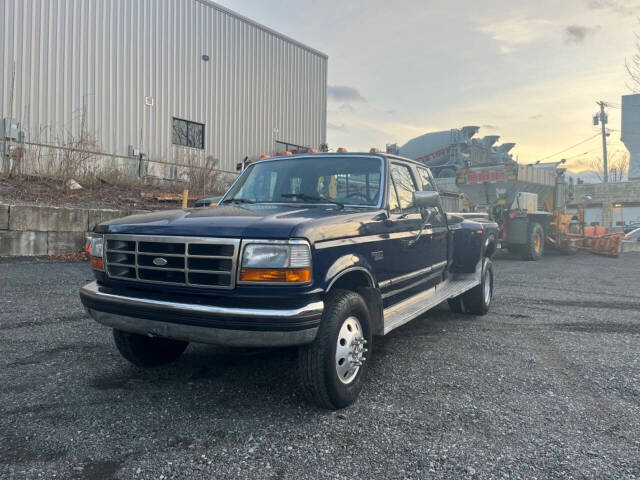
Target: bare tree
[[618, 166], [633, 68]]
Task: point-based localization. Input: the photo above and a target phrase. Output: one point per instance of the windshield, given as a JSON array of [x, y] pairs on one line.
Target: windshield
[[339, 180]]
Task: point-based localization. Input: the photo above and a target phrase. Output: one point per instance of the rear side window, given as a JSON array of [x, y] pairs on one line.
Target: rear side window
[[405, 186], [428, 183], [394, 204]]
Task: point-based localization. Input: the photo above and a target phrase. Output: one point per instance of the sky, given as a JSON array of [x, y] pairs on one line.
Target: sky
[[530, 72]]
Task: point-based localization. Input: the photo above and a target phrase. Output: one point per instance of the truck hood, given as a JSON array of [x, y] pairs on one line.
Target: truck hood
[[246, 221]]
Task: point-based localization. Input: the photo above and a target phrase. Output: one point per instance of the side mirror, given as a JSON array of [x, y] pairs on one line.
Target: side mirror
[[426, 199]]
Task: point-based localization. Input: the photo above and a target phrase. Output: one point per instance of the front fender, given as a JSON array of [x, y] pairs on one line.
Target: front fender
[[345, 264]]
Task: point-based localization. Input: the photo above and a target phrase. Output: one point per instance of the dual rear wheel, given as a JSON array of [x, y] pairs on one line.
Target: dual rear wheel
[[477, 300]]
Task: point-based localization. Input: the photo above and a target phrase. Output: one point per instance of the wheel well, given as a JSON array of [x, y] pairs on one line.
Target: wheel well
[[352, 280], [490, 248], [361, 282]]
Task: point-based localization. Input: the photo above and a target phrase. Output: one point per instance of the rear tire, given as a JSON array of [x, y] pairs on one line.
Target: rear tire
[[145, 351], [328, 370], [534, 248], [478, 300]]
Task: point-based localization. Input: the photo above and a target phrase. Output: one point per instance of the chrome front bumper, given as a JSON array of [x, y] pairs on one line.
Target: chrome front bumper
[[220, 325]]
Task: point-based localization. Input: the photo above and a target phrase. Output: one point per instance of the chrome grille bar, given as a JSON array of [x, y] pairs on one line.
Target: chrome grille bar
[[167, 260]]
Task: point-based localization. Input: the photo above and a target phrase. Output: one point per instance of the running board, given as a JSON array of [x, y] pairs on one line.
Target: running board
[[405, 311]]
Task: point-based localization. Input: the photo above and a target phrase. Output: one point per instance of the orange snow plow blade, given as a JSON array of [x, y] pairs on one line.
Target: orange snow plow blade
[[603, 244]]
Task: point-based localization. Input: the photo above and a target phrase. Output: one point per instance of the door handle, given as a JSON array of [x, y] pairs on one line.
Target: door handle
[[425, 226]]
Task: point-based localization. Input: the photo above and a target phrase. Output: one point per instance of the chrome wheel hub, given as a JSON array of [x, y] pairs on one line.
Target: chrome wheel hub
[[350, 350]]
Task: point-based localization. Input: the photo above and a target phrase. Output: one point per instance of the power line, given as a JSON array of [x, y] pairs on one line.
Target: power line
[[569, 148], [577, 155]]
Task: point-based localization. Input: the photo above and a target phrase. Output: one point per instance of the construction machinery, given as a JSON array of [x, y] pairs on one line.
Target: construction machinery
[[529, 203], [446, 152]]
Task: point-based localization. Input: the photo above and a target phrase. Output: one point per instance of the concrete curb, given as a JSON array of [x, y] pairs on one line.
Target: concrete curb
[[30, 230]]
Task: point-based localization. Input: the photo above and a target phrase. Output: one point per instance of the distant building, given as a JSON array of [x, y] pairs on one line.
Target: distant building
[[631, 132], [173, 79]]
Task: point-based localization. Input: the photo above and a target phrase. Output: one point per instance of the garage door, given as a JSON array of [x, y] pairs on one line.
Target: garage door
[[626, 214]]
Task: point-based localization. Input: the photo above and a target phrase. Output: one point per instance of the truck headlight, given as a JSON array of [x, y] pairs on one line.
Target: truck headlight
[[275, 262], [96, 250]]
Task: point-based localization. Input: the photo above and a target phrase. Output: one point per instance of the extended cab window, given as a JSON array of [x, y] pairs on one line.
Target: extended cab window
[[428, 183], [405, 186], [394, 204]]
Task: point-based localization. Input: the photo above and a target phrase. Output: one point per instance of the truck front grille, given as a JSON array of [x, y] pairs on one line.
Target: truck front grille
[[188, 261]]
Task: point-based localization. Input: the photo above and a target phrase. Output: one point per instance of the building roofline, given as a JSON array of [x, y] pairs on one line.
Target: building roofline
[[216, 6]]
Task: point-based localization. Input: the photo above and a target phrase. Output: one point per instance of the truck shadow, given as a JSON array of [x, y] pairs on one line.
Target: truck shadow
[[234, 379], [218, 376]]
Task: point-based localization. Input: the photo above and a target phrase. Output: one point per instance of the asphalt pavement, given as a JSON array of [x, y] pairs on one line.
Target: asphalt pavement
[[547, 385]]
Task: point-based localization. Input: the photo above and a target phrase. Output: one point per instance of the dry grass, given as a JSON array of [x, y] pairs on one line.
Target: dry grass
[[67, 158]]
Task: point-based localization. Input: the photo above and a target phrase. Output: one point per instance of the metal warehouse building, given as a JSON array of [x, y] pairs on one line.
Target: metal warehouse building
[[170, 78]]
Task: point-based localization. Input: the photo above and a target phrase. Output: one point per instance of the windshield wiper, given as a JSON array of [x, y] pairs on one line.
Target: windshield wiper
[[239, 200], [311, 198]]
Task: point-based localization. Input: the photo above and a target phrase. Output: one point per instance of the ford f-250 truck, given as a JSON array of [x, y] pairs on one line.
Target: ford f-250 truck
[[321, 251]]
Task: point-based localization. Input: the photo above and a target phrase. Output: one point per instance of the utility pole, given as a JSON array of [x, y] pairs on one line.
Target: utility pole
[[603, 122]]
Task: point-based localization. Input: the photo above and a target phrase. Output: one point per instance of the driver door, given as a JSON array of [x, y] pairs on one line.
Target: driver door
[[408, 256]]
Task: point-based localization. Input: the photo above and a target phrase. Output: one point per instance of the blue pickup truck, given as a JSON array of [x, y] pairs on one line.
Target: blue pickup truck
[[319, 251]]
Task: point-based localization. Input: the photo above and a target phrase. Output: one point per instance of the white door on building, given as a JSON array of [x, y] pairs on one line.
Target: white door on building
[[626, 214]]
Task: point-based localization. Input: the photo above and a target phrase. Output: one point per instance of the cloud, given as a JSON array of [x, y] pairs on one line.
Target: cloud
[[513, 32], [337, 126], [578, 33], [341, 93], [537, 116], [346, 108], [622, 7], [489, 127]]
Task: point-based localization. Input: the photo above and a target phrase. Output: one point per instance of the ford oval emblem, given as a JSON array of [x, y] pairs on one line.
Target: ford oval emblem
[[160, 262]]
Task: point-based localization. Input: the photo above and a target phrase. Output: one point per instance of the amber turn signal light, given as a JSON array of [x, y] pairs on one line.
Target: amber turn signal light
[[278, 275], [96, 263]]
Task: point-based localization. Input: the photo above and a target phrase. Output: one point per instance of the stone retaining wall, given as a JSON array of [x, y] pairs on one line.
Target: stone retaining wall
[[28, 230]]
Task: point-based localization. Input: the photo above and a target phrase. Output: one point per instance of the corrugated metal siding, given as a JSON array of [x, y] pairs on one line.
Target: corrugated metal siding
[[107, 55]]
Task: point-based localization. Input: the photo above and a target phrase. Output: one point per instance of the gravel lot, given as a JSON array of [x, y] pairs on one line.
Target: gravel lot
[[545, 386]]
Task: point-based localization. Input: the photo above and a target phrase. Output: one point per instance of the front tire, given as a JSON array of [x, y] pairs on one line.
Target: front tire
[[332, 368], [478, 300], [145, 351]]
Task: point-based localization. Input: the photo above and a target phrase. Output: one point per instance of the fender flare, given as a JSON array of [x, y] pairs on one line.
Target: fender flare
[[346, 264], [489, 246]]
